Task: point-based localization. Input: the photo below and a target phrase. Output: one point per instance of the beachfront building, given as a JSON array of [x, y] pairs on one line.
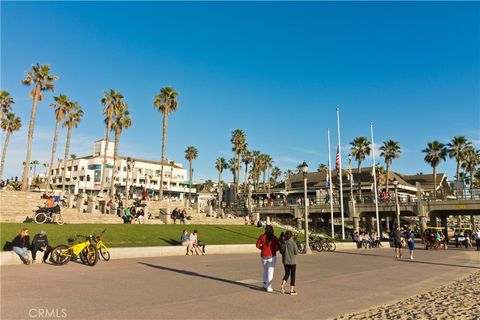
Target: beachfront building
[[84, 174]]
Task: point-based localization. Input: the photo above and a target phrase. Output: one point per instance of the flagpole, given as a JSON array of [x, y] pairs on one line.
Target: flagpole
[[375, 181], [330, 181], [340, 174]]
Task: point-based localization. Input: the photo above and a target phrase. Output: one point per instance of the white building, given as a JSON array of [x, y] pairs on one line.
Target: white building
[[85, 174]]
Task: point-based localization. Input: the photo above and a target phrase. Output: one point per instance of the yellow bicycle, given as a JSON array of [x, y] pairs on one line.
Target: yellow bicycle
[[101, 247], [86, 250]]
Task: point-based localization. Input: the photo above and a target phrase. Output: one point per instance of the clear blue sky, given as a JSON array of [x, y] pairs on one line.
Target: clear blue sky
[[275, 70]]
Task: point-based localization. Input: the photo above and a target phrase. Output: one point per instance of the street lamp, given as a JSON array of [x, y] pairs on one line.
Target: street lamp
[[304, 170], [397, 206], [130, 165]]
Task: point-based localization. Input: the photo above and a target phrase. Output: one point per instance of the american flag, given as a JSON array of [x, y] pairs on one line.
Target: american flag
[[337, 159]]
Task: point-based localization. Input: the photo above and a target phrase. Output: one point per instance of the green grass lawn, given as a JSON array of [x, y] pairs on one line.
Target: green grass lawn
[[134, 235]]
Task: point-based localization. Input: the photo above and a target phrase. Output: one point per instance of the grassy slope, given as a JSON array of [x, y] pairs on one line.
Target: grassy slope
[[126, 235]]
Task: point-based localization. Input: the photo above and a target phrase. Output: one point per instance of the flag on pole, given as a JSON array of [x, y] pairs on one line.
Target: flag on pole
[[337, 159]]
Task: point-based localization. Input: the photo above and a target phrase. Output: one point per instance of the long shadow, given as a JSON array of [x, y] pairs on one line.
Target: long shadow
[[242, 234], [409, 261], [171, 242], [196, 274]]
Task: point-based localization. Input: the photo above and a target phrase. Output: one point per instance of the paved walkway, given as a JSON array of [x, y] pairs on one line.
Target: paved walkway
[[225, 286]]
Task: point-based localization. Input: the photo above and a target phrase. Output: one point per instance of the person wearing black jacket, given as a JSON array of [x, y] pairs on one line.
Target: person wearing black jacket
[[40, 243], [20, 245]]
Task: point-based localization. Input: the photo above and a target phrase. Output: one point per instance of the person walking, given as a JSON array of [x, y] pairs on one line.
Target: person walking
[[268, 245], [477, 239], [289, 250], [397, 241], [411, 242]]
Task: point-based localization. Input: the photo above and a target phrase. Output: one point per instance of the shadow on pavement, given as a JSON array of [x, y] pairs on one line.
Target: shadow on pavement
[[195, 274], [409, 261]]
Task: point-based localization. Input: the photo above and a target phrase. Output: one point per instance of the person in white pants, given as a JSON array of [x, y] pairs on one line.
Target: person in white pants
[[268, 245]]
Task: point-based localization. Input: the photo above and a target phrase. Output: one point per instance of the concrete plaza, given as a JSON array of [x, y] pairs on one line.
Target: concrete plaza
[[225, 286]]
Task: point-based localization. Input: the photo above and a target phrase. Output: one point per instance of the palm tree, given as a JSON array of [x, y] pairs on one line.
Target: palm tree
[[276, 173], [246, 159], [121, 121], [61, 106], [34, 164], [166, 103], [390, 150], [238, 140], [9, 124], [267, 164], [456, 148], [5, 103], [360, 149], [470, 164], [220, 165], [191, 153], [322, 167], [73, 117], [256, 168], [42, 80], [111, 101], [434, 154], [232, 164]]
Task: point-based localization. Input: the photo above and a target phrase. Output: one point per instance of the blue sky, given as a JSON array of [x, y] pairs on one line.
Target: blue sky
[[277, 70]]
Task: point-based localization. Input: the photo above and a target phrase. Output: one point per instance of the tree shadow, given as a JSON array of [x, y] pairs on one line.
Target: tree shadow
[[242, 234], [171, 242], [409, 261], [196, 274]]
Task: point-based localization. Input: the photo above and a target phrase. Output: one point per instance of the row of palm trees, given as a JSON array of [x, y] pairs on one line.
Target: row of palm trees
[[9, 123]]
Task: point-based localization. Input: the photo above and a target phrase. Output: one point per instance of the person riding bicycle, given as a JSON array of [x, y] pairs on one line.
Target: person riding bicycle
[[52, 206]]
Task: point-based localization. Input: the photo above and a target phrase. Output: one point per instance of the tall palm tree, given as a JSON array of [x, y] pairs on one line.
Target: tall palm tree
[[5, 103], [390, 150], [456, 148], [276, 173], [72, 119], [434, 154], [360, 149], [42, 80], [111, 101], [246, 159], [239, 141], [34, 164], [121, 121], [61, 106], [322, 167], [220, 165], [232, 165], [256, 168], [470, 164], [267, 164], [191, 153], [9, 124], [166, 103]]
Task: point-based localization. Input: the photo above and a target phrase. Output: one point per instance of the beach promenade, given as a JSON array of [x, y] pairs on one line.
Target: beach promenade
[[228, 286]]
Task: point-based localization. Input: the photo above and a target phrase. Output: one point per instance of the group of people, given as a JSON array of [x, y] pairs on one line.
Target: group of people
[[133, 214], [192, 243], [269, 245], [367, 240], [21, 245], [179, 214], [402, 238]]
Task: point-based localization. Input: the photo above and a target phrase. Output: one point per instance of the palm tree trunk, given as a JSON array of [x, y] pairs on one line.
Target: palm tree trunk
[[388, 170], [54, 150], [67, 149], [219, 188], [105, 150], [238, 176], [4, 153], [190, 183], [164, 147], [434, 183], [264, 173], [245, 179], [118, 133], [472, 173], [26, 171], [458, 178], [359, 180]]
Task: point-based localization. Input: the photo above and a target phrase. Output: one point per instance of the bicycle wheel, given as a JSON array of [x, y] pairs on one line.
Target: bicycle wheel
[[40, 218], [301, 247], [104, 252], [83, 256], [59, 255], [331, 246], [317, 245], [59, 219], [92, 255]]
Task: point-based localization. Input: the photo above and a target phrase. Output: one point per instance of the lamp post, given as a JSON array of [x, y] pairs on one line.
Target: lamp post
[[130, 165], [350, 175], [304, 169], [397, 206]]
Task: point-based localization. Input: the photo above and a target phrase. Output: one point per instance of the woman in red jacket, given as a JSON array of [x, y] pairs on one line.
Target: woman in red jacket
[[269, 245]]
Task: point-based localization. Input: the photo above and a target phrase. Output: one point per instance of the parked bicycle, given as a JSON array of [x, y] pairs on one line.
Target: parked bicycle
[[101, 247], [62, 254], [53, 215]]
